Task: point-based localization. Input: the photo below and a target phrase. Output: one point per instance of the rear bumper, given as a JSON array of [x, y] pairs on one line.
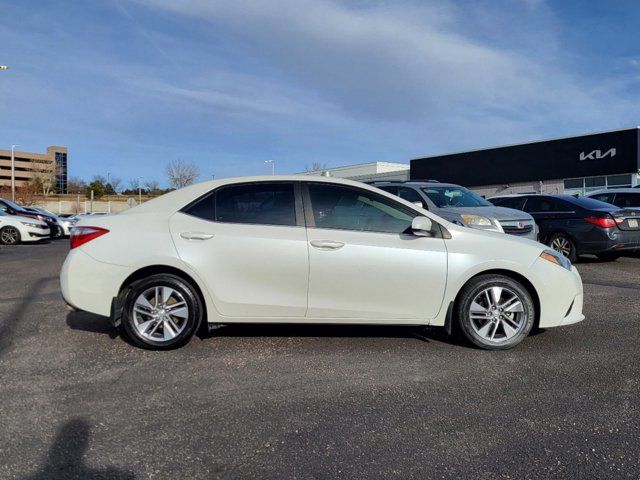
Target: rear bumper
[[90, 285], [612, 241]]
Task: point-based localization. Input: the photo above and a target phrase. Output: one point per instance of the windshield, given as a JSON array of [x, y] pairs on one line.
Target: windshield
[[447, 197], [13, 205]]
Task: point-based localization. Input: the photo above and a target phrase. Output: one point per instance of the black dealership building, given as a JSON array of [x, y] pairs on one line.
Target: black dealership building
[[578, 164]]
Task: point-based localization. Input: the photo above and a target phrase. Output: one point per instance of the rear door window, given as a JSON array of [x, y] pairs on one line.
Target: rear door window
[[510, 202], [544, 205], [258, 204]]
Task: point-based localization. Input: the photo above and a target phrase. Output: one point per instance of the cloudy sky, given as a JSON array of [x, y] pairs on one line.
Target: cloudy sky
[[129, 85]]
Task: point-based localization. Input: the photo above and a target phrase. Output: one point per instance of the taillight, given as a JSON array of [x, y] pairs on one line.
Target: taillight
[[82, 235], [603, 222]]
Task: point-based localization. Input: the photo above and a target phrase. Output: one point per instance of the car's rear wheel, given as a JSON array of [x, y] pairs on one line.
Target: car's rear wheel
[[563, 244], [161, 312], [56, 232], [9, 235], [495, 312]]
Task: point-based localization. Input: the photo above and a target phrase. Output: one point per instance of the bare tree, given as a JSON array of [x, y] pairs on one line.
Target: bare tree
[[76, 185], [134, 183], [152, 186], [181, 174], [100, 179], [116, 182], [316, 167], [43, 178]]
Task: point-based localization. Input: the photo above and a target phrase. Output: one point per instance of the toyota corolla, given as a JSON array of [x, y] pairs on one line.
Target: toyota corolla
[[310, 250]]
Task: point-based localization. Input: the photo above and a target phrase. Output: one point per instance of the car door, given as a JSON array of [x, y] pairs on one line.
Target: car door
[[551, 214], [364, 264], [249, 245]]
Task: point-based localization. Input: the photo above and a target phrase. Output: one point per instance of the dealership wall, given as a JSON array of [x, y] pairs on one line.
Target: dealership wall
[[540, 166]]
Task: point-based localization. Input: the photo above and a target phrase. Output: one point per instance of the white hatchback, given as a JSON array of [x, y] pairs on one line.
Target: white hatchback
[[310, 250]]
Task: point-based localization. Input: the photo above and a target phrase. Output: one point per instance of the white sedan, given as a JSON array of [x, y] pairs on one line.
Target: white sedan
[[15, 229], [310, 250]]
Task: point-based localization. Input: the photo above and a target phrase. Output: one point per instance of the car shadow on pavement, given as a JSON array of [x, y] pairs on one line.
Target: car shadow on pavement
[[65, 458], [16, 316], [89, 322]]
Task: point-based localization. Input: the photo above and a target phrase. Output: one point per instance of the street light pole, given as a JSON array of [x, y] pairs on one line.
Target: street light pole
[[273, 166], [139, 190], [13, 172]]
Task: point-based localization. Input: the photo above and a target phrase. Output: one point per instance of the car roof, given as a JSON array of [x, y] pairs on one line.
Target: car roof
[[412, 183], [177, 199], [614, 190]]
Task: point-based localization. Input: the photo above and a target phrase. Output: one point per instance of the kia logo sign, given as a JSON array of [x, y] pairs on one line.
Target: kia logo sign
[[597, 154]]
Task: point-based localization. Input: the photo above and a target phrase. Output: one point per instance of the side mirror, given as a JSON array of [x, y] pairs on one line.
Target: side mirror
[[419, 204], [422, 226]]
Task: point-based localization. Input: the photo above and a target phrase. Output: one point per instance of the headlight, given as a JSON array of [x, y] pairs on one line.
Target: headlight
[[478, 221], [557, 258], [31, 224]]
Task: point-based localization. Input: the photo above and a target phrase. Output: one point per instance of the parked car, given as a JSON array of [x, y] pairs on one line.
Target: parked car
[[463, 207], [620, 197], [319, 250], [575, 226], [13, 208], [15, 229], [63, 223]]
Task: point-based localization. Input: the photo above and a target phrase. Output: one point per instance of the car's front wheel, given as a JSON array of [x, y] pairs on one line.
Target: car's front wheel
[[495, 312], [9, 235], [161, 312], [563, 244]]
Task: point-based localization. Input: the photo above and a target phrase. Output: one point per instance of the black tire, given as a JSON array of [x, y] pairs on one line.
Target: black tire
[[10, 235], [608, 257], [56, 232], [184, 290], [471, 327], [557, 240]]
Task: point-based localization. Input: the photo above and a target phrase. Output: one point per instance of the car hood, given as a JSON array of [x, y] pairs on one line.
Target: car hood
[[20, 218], [499, 213]]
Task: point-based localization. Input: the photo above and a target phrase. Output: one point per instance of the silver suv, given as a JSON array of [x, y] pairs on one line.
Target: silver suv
[[463, 207]]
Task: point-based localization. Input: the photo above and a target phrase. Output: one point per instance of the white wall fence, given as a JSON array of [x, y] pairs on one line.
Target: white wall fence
[[86, 206]]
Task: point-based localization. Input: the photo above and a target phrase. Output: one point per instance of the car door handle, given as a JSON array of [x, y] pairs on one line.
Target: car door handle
[[196, 235], [326, 244]]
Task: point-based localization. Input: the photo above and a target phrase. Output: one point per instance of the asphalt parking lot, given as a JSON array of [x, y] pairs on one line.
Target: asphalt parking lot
[[76, 401]]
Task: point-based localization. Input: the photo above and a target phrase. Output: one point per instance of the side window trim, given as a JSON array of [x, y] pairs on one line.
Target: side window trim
[[308, 208]]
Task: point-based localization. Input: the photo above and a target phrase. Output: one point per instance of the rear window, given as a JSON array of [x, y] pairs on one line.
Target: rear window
[[590, 203]]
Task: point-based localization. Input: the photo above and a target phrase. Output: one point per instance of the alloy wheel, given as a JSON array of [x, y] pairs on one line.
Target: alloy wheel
[[9, 236], [562, 245], [497, 314], [160, 314]]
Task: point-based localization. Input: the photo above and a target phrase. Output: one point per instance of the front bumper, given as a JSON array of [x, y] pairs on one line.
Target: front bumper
[[35, 234], [560, 292]]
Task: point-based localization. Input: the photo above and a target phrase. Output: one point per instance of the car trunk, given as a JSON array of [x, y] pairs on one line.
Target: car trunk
[[627, 219]]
